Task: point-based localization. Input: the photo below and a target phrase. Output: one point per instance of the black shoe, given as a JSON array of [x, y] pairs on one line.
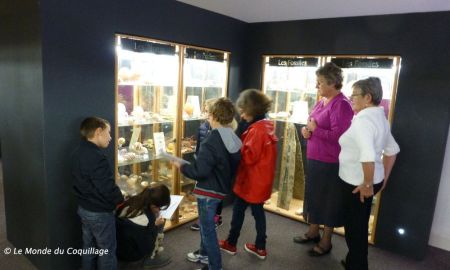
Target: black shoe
[[303, 239], [343, 263], [158, 261], [318, 251]]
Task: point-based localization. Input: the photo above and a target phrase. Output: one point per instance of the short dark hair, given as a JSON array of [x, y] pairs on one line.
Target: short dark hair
[[222, 110], [90, 125], [331, 73], [254, 102], [371, 86]]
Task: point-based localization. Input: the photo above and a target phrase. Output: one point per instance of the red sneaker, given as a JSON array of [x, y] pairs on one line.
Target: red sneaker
[[260, 253], [227, 247]]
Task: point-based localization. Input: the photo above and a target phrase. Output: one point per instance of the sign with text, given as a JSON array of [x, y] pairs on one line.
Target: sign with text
[[363, 63], [293, 62], [159, 143]]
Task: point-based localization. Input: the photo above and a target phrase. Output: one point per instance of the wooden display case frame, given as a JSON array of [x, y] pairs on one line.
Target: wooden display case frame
[[179, 122]]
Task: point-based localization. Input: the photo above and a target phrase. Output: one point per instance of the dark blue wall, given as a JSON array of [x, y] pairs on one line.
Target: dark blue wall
[[22, 126], [421, 117], [71, 79]]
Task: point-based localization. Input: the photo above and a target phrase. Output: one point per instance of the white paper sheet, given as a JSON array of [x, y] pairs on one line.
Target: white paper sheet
[[175, 201], [173, 158]]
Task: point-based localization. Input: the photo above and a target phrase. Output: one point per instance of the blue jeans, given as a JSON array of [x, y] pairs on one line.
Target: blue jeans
[[99, 231], [209, 245], [237, 220]]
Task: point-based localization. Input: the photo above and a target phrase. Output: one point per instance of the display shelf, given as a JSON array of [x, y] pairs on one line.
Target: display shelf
[[287, 121], [194, 118], [145, 158], [143, 123]]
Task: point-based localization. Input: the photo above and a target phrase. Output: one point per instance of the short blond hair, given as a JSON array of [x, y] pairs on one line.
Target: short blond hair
[[209, 102]]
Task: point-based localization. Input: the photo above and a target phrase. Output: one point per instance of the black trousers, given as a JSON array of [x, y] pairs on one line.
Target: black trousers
[[237, 221], [356, 224]]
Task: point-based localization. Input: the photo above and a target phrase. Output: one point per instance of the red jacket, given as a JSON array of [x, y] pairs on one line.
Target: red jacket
[[256, 171]]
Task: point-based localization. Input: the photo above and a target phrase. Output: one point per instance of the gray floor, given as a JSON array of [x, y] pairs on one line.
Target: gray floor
[[282, 252]]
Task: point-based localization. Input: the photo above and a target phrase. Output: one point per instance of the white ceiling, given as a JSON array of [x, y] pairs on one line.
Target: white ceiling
[[286, 10]]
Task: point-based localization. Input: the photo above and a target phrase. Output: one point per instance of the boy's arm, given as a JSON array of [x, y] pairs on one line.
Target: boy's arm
[[202, 167], [103, 180]]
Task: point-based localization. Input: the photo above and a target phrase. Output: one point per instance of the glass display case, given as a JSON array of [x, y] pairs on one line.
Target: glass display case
[[291, 83], [161, 91], [204, 78], [360, 67]]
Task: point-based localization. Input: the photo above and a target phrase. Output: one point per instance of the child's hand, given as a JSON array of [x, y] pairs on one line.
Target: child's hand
[[160, 221], [176, 164]]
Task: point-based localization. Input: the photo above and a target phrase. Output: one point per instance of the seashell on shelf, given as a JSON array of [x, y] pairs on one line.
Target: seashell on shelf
[[170, 147], [129, 156], [138, 148], [131, 181], [121, 141]]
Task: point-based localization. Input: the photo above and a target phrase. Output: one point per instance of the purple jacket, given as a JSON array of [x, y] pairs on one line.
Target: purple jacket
[[332, 120]]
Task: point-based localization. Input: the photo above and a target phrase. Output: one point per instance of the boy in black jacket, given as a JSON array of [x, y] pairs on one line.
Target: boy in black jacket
[[97, 194], [214, 169], [202, 132]]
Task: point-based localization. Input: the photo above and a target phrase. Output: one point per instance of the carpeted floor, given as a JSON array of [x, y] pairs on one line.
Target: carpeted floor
[[283, 253]]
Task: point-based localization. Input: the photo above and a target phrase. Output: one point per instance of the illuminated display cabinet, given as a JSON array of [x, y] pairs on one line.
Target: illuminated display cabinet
[[161, 89], [290, 81]]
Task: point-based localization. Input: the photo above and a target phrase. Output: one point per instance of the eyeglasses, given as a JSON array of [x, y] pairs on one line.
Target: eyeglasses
[[354, 95]]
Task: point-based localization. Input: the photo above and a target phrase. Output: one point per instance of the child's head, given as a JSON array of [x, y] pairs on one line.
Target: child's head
[[222, 111], [251, 103], [96, 130], [153, 198], [208, 104]]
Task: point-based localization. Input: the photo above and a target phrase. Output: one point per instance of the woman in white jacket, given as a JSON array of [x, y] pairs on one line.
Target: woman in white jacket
[[368, 153]]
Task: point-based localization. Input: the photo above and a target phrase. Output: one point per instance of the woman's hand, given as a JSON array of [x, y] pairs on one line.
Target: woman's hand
[[311, 125], [364, 192], [305, 133]]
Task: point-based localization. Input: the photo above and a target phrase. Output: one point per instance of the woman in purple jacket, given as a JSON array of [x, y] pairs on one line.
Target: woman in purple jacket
[[330, 118]]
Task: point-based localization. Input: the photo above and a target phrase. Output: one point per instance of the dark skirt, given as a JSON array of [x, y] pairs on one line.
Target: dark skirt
[[323, 196]]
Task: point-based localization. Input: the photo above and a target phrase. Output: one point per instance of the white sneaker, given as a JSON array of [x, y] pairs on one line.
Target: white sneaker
[[196, 257]]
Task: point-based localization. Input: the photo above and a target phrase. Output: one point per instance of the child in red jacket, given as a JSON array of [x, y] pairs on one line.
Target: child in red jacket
[[253, 185]]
